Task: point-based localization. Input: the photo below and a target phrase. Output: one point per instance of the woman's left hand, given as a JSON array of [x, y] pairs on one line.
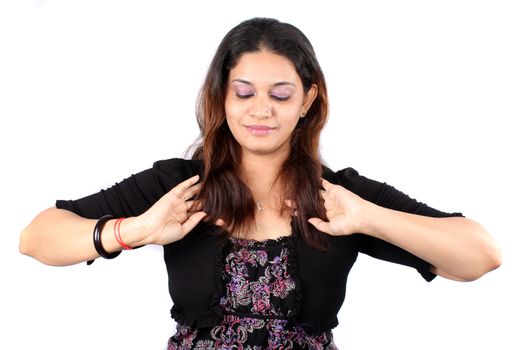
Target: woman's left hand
[[344, 211]]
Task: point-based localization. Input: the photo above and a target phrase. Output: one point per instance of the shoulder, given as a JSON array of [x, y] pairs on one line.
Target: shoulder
[[334, 176], [381, 193], [352, 180], [169, 172], [178, 167]]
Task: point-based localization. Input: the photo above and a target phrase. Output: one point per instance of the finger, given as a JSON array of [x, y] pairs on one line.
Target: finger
[[327, 185], [218, 222], [290, 204], [191, 192], [192, 221], [181, 187], [319, 224], [193, 206], [182, 216]]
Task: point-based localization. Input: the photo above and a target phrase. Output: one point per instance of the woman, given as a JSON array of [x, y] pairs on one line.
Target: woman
[[258, 235]]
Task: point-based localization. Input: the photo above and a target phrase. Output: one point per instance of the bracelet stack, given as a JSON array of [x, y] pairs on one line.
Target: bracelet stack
[[97, 232], [116, 232]]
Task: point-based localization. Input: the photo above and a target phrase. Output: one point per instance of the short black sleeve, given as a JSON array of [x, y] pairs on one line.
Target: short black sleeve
[[387, 196], [135, 194]]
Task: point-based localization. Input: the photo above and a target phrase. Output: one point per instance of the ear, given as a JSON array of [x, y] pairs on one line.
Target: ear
[[309, 98]]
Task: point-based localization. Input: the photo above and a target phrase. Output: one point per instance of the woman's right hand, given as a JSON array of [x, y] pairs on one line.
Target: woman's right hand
[[60, 237], [172, 216]]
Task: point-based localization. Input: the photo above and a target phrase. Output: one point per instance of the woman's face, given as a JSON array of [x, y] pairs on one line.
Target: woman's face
[[264, 101]]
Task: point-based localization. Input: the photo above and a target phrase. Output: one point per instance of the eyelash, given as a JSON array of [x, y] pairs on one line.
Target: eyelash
[[244, 97], [278, 98]]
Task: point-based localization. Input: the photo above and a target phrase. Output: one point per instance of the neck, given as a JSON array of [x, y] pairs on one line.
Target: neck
[[260, 173]]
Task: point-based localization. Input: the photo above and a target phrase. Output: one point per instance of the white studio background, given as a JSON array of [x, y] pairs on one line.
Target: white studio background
[[424, 95]]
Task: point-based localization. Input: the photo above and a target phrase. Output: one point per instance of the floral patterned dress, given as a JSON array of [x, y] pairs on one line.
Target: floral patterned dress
[[260, 295]]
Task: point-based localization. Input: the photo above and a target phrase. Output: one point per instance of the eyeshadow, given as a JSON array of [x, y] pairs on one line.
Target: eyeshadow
[[283, 91]]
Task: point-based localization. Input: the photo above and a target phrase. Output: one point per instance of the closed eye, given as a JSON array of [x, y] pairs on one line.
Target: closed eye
[[244, 97], [280, 98]]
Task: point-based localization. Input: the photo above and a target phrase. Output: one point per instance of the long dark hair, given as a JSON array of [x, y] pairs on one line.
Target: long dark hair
[[224, 195]]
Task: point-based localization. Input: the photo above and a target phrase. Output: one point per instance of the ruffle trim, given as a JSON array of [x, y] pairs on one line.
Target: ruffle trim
[[319, 327], [210, 320], [199, 321], [293, 269], [215, 301], [316, 328], [267, 244]]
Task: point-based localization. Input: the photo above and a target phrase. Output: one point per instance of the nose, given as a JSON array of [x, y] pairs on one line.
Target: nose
[[261, 108]]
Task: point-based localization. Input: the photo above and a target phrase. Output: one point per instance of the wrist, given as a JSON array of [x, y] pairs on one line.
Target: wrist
[[370, 212], [130, 230]]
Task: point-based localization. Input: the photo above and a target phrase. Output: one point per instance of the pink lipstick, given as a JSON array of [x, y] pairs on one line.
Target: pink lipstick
[[259, 130]]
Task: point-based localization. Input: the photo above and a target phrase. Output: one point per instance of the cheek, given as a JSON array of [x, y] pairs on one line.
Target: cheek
[[233, 118], [291, 124], [291, 113], [291, 109], [234, 111]]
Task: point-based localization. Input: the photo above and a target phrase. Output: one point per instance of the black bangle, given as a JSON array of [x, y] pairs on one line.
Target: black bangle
[[97, 238]]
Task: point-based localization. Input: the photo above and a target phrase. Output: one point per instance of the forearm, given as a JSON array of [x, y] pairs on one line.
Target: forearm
[[59, 237], [457, 247]]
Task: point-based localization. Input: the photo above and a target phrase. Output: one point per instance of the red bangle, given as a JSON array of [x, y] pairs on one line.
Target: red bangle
[[116, 231]]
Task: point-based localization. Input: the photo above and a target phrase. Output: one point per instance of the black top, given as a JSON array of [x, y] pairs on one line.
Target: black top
[[195, 264], [259, 295]]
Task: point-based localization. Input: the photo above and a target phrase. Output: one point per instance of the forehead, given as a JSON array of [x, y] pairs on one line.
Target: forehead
[[264, 68]]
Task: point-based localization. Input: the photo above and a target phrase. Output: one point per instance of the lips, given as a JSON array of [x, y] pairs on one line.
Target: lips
[[259, 129]]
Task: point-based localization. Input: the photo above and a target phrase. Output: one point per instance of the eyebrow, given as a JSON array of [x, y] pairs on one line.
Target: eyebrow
[[276, 84]]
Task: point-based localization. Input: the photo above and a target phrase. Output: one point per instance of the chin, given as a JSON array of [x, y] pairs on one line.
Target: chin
[[260, 151], [264, 150]]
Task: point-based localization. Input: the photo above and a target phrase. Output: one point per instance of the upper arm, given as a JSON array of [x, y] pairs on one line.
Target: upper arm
[[133, 195], [385, 195], [382, 194]]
